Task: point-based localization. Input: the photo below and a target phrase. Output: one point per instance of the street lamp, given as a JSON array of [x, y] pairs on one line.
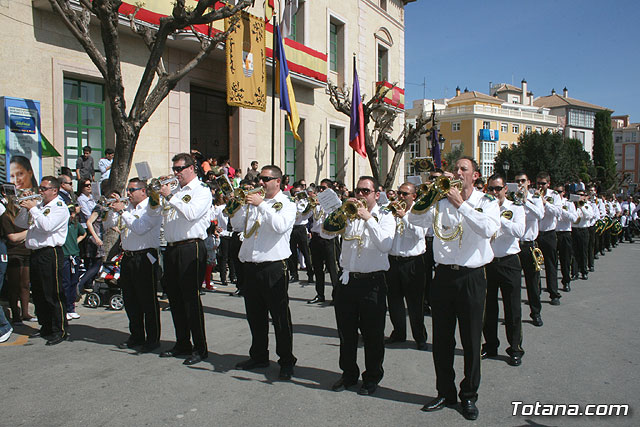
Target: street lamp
[[506, 167]]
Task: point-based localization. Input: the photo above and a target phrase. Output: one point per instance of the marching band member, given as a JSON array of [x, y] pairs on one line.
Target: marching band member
[[185, 228], [504, 273], [47, 223], [463, 225], [592, 251], [267, 226], [580, 234], [533, 211], [140, 239], [323, 249], [299, 235], [360, 299], [406, 272], [547, 240], [566, 217]]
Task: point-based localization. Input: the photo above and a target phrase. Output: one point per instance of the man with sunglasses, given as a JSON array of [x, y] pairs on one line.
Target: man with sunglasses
[[299, 239], [185, 228], [140, 238], [323, 248], [580, 235], [66, 190], [360, 300], [47, 223], [503, 273], [533, 211], [566, 218], [463, 223], [267, 224], [405, 278], [547, 239]]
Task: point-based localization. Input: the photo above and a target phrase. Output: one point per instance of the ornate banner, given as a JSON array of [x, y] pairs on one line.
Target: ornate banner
[[246, 76]]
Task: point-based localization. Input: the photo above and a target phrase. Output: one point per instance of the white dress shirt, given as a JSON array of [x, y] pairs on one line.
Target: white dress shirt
[[567, 216], [103, 164], [479, 217], [533, 212], [187, 214], [511, 230], [86, 204], [585, 216], [46, 225], [595, 213], [552, 209], [409, 238], [274, 220], [141, 226], [301, 217], [366, 244]]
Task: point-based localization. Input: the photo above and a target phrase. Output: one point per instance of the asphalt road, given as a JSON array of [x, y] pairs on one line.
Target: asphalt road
[[586, 353]]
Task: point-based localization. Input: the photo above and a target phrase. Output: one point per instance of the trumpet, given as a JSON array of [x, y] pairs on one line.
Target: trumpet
[[395, 206], [538, 258], [336, 222], [431, 194], [239, 199], [157, 183], [106, 202], [22, 197]]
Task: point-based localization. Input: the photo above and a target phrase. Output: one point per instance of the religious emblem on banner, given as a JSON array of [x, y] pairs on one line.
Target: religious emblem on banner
[[246, 76]]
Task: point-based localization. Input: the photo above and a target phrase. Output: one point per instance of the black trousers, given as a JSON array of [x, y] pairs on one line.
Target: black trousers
[[404, 280], [140, 293], [580, 238], [531, 277], [548, 244], [299, 240], [457, 295], [591, 249], [362, 304], [606, 239], [266, 291], [429, 265], [565, 252], [504, 274], [234, 252], [184, 272], [225, 260], [45, 273], [323, 253]]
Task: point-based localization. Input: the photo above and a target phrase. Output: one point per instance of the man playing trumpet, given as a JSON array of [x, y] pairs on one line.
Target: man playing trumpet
[[405, 277]]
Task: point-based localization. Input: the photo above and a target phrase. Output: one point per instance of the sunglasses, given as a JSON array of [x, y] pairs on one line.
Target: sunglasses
[[266, 179], [178, 169], [521, 181], [87, 185], [42, 188], [403, 193], [542, 183], [133, 189], [66, 182], [495, 188], [364, 191]]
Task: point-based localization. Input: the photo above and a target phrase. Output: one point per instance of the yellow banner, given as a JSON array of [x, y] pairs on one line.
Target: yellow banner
[[246, 76]]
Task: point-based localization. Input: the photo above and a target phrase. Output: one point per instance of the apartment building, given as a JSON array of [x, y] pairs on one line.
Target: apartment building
[[626, 142], [43, 62]]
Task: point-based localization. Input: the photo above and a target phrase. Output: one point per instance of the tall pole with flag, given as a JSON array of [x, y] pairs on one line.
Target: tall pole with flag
[[435, 140], [356, 121]]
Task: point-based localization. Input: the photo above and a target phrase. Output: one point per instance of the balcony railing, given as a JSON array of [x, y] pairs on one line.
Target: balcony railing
[[499, 113]]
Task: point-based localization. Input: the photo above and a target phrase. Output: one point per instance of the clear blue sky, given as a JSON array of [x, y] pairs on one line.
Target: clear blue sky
[[591, 47]]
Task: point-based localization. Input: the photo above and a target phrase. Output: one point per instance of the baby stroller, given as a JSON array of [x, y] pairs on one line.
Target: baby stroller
[[105, 287]]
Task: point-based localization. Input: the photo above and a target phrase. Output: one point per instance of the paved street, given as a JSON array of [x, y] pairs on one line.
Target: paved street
[[586, 352]]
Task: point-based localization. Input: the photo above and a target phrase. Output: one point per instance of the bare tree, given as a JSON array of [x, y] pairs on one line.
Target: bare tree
[[383, 118], [156, 81]]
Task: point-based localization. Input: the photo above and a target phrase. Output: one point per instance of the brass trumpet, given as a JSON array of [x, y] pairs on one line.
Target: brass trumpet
[[336, 222], [106, 202], [239, 199], [157, 183], [395, 206], [431, 194], [23, 195]]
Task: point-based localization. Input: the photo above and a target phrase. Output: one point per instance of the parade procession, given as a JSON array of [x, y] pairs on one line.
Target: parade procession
[[281, 212]]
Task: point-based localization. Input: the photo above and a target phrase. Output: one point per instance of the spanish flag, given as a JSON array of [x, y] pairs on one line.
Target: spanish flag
[[284, 85]]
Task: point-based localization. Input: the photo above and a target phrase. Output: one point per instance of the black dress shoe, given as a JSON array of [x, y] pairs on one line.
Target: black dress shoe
[[41, 334], [423, 346], [129, 344], [488, 354], [149, 347], [584, 276], [515, 360], [174, 352], [469, 409], [591, 269], [250, 364], [315, 300], [555, 301], [57, 339], [343, 383], [286, 372], [595, 256], [294, 279], [574, 276], [438, 403], [393, 340], [195, 358], [537, 320], [367, 389], [567, 287]]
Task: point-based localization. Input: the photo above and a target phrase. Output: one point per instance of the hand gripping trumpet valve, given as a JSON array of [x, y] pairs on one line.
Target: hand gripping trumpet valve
[[157, 183], [239, 199], [431, 194], [395, 206], [106, 202]]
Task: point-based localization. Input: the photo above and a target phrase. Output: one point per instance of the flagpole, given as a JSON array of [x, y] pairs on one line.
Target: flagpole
[[273, 92], [353, 173]]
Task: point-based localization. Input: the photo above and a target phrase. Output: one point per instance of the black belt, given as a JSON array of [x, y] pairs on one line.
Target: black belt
[[360, 276], [182, 242], [300, 225], [403, 258], [563, 231], [547, 232], [502, 258], [138, 252], [235, 234], [457, 267], [35, 251], [527, 243], [262, 264]]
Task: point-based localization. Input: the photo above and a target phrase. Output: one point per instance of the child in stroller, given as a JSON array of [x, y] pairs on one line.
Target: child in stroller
[[105, 286]]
